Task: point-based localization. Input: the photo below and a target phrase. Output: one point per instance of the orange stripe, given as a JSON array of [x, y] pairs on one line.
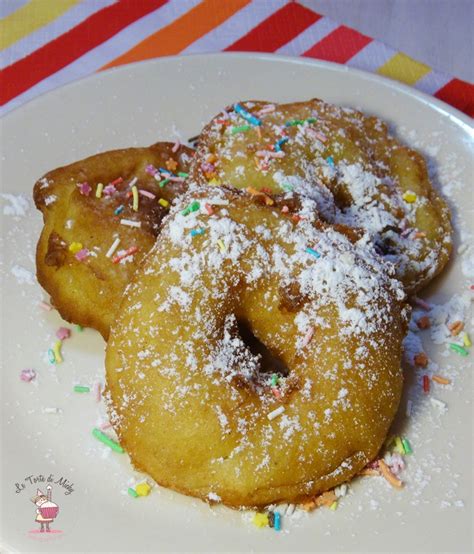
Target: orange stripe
[[185, 30]]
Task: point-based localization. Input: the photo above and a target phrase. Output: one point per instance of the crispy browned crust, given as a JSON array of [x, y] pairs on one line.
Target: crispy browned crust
[[353, 138], [88, 292]]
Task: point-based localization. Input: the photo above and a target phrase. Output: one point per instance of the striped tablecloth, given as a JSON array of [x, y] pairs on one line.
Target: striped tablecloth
[[48, 43]]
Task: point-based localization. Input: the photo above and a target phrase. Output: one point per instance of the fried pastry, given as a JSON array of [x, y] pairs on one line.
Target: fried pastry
[[101, 216], [315, 148]]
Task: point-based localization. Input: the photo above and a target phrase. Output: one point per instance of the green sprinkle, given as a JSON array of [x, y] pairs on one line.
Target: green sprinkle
[[115, 446], [193, 207], [311, 120], [80, 388], [51, 356], [294, 122], [406, 446], [164, 182], [183, 175], [132, 492], [459, 349], [274, 380], [240, 129], [287, 186], [80, 328]]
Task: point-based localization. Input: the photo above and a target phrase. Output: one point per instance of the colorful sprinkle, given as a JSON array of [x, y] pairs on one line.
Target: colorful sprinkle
[[163, 202], [80, 328], [275, 413], [456, 328], [294, 122], [98, 190], [221, 245], [81, 388], [84, 189], [441, 380], [109, 190], [57, 351], [63, 333], [193, 207], [409, 196], [274, 380], [135, 198], [458, 349], [82, 255], [164, 182], [196, 232], [183, 175], [117, 181], [45, 306], [330, 161], [51, 357], [126, 254], [130, 223], [277, 521], [246, 115], [143, 489], [27, 375], [209, 209], [466, 340], [102, 437], [151, 170], [313, 252], [97, 390], [171, 164], [426, 384], [260, 520], [333, 506], [279, 143], [424, 322], [399, 445], [176, 146], [389, 476], [267, 199], [132, 492], [75, 247], [308, 337], [146, 193], [407, 447], [119, 210], [421, 359], [240, 129], [421, 303], [113, 248]]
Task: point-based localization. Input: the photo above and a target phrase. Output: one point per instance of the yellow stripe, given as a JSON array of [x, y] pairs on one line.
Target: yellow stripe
[[28, 18], [403, 68]]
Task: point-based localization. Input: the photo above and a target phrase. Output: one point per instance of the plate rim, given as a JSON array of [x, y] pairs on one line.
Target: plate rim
[[458, 117]]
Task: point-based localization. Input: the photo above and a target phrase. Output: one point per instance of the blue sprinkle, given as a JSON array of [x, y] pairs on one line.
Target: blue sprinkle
[[118, 210], [330, 161], [246, 115], [195, 232], [277, 521], [163, 170], [313, 252], [280, 142]]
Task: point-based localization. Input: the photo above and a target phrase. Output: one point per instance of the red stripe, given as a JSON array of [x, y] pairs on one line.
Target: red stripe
[[63, 50], [339, 46], [459, 94], [275, 31]]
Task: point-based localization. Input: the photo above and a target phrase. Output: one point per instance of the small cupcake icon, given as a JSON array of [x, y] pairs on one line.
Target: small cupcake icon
[[46, 510]]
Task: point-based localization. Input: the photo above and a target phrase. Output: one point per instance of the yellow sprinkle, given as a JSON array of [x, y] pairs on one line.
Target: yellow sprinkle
[[466, 340], [260, 520], [409, 196], [221, 245], [163, 202], [214, 182], [74, 247], [399, 445], [333, 506], [98, 190], [57, 351], [135, 198], [143, 489]]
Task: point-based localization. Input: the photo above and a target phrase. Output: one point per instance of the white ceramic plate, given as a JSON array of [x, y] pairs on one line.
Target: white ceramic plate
[[174, 97]]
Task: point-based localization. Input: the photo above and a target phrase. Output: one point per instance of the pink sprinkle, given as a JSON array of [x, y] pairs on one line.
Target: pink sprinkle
[[207, 167], [175, 179], [472, 287], [63, 333], [151, 169], [27, 375], [396, 463], [105, 426], [97, 391], [266, 109], [308, 337], [269, 154], [285, 210], [109, 190], [209, 209], [176, 146], [45, 306], [82, 254], [320, 136], [146, 193], [421, 303], [84, 189]]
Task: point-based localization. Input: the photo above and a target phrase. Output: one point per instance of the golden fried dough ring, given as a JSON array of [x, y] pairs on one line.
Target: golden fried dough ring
[[79, 227], [377, 183], [189, 400]]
